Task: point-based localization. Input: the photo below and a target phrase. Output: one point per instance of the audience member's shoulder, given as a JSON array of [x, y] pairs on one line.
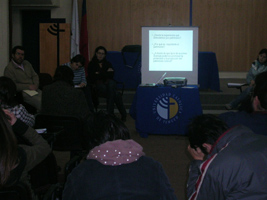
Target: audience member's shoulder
[[9, 64], [26, 62], [226, 115], [232, 114]]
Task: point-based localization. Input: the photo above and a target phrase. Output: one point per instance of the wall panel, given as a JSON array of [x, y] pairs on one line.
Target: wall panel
[[116, 23], [109, 23], [158, 13], [233, 29]]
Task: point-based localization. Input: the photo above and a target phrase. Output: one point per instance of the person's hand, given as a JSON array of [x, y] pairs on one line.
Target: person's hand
[[33, 87], [10, 117], [110, 70], [197, 154], [252, 82], [82, 85]]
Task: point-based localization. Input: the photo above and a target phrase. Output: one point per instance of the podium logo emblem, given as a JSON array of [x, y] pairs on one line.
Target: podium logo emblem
[[166, 107]]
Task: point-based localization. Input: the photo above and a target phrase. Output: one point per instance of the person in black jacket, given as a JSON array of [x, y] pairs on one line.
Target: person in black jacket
[[61, 98], [228, 163], [101, 72]]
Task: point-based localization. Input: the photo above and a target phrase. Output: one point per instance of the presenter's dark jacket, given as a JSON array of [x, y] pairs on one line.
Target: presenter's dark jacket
[[99, 75], [236, 168]]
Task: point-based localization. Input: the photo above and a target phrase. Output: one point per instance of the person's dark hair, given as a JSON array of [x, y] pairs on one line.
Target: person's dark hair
[[78, 58], [64, 73], [260, 89], [8, 91], [94, 59], [8, 149], [14, 49], [205, 128], [263, 51], [105, 127]]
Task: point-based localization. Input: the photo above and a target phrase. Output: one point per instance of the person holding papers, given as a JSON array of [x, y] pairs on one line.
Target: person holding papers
[[79, 80], [258, 66], [25, 78]]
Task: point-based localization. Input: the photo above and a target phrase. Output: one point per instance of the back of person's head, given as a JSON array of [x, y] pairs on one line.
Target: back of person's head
[[64, 73], [78, 59], [14, 49], [104, 127], [8, 91], [260, 89], [8, 149], [205, 128]]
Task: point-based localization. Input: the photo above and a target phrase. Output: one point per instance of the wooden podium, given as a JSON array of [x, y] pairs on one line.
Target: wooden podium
[[54, 46]]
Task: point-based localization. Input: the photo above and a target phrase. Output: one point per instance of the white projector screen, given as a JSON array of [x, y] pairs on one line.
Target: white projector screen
[[169, 52]]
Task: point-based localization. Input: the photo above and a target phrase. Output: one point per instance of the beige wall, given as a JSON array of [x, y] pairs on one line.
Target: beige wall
[[64, 11], [233, 29], [4, 35]]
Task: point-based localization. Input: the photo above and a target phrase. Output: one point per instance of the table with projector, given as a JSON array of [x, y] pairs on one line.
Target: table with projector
[[165, 109]]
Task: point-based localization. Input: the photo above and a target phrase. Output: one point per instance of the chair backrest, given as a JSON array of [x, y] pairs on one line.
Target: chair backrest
[[17, 192], [71, 138]]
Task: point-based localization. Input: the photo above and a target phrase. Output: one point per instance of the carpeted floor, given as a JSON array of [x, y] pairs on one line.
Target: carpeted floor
[[169, 150]]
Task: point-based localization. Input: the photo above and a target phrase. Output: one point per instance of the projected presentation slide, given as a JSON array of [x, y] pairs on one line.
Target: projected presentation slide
[[169, 52], [173, 48]]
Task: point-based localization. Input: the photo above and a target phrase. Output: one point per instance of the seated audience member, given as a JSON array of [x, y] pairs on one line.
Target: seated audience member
[[257, 120], [235, 166], [101, 72], [24, 76], [61, 98], [79, 80], [16, 159], [8, 101], [116, 167], [258, 66]]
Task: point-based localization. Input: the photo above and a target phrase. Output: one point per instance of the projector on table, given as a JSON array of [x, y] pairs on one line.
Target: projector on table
[[175, 81]]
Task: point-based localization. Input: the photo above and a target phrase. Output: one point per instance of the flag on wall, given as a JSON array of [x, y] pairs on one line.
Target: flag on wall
[[75, 33], [84, 37]]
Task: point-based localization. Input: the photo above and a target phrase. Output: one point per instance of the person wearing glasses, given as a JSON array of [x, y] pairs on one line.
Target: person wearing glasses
[[100, 74], [79, 80]]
